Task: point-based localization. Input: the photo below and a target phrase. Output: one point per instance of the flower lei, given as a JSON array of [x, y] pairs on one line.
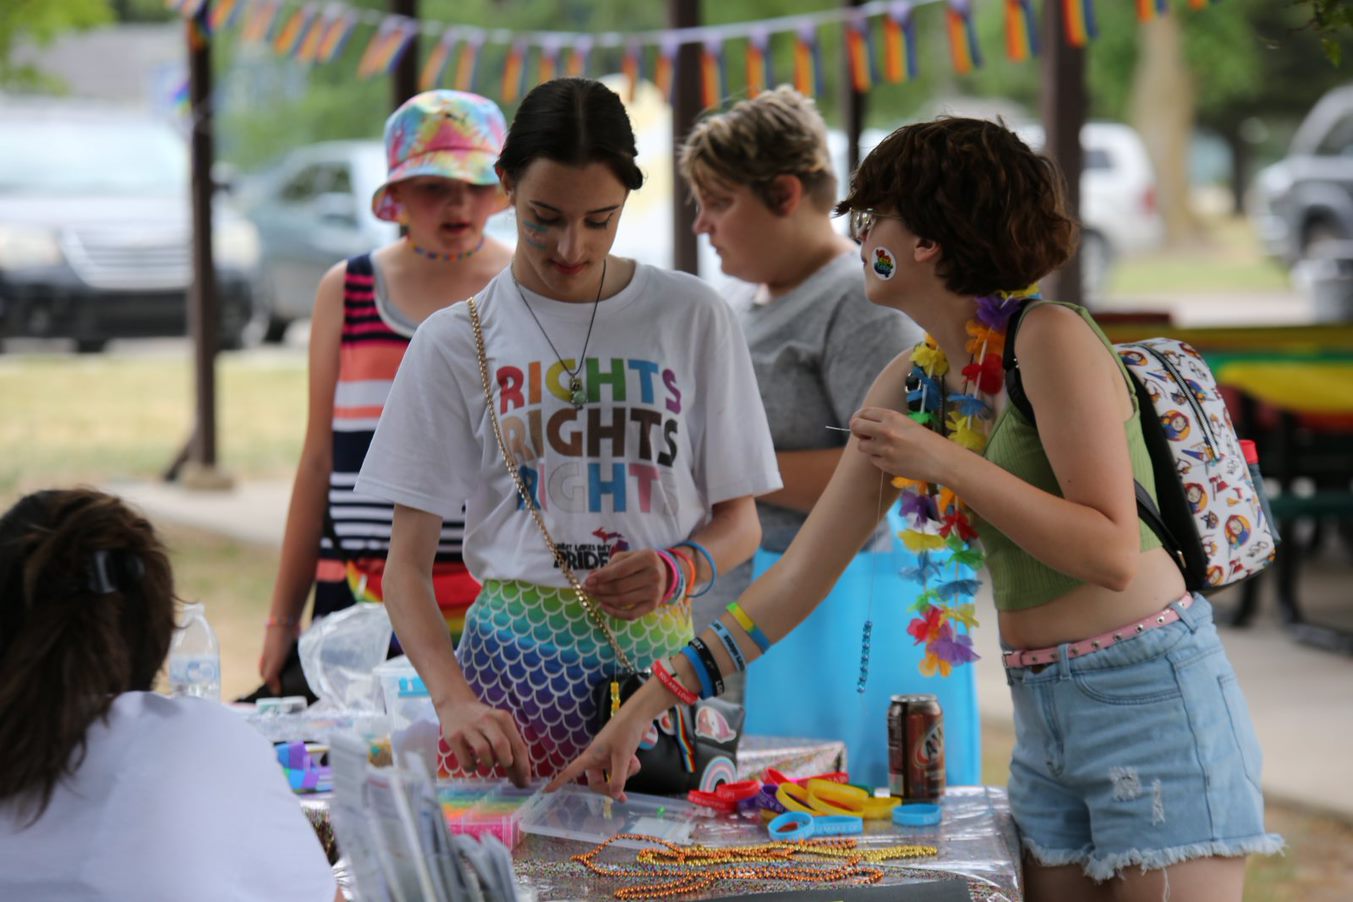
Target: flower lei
[[938, 519]]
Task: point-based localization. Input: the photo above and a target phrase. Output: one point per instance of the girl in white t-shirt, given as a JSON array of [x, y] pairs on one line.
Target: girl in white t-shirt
[[108, 790], [626, 396]]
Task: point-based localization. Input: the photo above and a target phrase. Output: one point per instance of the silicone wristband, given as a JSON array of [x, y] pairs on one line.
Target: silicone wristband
[[706, 685], [673, 577], [711, 665], [672, 684], [794, 798], [791, 826], [916, 814], [709, 559], [729, 643], [749, 626], [737, 792]]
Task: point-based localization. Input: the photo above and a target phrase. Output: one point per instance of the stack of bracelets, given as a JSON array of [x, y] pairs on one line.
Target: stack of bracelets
[[697, 652]]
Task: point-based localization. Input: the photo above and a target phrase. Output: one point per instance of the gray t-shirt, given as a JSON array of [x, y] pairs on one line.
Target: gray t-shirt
[[815, 350]]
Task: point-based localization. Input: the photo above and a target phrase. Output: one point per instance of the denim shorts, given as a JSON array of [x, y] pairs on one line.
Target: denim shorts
[[1142, 753]]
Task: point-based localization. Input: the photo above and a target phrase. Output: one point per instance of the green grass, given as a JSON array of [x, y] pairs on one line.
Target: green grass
[[72, 419], [1228, 258]]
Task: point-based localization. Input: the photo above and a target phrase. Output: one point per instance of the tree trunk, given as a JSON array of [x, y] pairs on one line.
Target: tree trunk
[[1162, 108], [1240, 167]]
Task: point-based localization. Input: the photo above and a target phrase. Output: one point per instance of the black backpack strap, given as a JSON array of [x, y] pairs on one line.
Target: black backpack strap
[[1147, 511]]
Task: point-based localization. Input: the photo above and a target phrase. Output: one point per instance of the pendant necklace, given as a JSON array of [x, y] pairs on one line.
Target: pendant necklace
[[576, 393]]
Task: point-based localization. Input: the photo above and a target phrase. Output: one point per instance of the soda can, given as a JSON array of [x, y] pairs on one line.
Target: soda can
[[916, 748]]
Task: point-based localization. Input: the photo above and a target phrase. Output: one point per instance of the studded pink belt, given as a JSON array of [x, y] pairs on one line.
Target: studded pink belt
[[1036, 656]]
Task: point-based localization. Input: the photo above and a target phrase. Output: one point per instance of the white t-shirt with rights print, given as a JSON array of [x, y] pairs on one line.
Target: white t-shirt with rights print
[[673, 423]]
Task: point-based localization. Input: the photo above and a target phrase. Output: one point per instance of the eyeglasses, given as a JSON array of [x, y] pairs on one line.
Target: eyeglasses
[[862, 221]]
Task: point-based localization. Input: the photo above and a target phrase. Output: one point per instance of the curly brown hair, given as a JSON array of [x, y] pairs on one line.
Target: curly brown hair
[[995, 207], [86, 613]]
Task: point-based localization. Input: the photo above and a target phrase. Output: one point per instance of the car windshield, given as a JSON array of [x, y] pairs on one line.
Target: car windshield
[[90, 157]]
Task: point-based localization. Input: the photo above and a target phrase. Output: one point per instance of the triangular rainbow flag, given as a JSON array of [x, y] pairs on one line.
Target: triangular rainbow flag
[[1079, 17], [1149, 9], [858, 55], [664, 68], [899, 44], [514, 68], [387, 45], [467, 64], [431, 75], [631, 65], [578, 55], [259, 20], [1021, 30], [222, 14], [336, 35], [759, 76], [547, 67], [289, 35], [308, 51], [963, 37], [807, 62], [711, 73]]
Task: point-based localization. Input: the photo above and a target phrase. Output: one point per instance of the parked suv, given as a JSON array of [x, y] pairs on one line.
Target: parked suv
[[95, 233], [1306, 198]]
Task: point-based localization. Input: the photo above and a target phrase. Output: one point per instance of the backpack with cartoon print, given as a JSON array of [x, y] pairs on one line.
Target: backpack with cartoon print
[[1208, 511]]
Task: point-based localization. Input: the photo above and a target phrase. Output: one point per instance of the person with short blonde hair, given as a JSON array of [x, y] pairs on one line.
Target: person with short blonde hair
[[762, 175]]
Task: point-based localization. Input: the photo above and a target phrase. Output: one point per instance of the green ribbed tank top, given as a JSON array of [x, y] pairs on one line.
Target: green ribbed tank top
[[1019, 580]]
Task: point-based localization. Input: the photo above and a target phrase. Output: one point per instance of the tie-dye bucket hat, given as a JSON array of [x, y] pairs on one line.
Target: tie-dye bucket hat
[[451, 134]]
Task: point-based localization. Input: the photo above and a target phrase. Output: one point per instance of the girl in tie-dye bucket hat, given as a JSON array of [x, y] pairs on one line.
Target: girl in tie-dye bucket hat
[[440, 147]]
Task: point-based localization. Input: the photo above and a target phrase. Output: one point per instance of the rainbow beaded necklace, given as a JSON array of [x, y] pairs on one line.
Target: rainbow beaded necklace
[[445, 258], [940, 531]]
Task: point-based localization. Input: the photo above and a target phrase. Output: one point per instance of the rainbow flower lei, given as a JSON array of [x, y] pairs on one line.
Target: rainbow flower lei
[[938, 519]]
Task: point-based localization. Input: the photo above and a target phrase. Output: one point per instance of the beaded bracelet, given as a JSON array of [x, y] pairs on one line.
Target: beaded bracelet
[[711, 664], [709, 559], [672, 684], [729, 643], [706, 683], [749, 626]]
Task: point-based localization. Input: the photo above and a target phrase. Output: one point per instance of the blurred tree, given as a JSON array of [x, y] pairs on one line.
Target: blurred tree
[[1332, 21], [39, 22]]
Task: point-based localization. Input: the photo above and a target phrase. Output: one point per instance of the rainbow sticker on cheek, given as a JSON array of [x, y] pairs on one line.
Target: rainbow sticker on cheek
[[883, 265], [535, 232]]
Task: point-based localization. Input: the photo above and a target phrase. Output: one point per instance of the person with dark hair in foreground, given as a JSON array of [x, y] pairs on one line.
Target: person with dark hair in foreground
[[107, 789], [1136, 770]]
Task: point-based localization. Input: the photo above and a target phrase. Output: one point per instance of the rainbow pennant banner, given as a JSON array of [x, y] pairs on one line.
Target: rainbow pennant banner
[[431, 76], [858, 53], [807, 62], [288, 39], [185, 8], [467, 64], [578, 55], [1149, 9], [664, 68], [631, 65], [759, 74], [711, 73], [514, 71], [1021, 30], [222, 14], [1079, 16], [336, 35], [963, 37], [258, 21], [1200, 4]]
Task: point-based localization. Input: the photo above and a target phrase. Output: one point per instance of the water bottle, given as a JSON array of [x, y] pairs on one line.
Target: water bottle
[[195, 657]]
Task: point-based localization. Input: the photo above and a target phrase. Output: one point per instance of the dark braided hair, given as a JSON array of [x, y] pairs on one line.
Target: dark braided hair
[[86, 614]]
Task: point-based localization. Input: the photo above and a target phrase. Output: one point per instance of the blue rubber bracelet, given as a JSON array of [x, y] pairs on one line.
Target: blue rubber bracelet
[[837, 825], [730, 644], [916, 814], [706, 684], [709, 559], [791, 826]]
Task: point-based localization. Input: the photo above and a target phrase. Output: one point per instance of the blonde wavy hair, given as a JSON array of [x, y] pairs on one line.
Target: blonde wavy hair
[[776, 133]]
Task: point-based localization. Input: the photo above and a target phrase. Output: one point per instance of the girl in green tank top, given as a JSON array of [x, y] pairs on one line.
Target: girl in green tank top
[[1135, 772]]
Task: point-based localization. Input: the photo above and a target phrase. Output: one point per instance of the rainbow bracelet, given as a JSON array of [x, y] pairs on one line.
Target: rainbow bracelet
[[749, 626]]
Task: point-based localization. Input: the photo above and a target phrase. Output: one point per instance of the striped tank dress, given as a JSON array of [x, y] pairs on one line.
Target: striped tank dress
[[356, 535]]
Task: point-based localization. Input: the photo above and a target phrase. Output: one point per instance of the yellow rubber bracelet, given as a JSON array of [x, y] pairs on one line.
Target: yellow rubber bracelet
[[845, 799], [795, 798]]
